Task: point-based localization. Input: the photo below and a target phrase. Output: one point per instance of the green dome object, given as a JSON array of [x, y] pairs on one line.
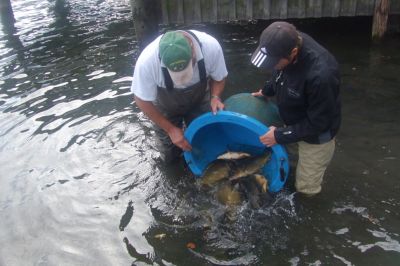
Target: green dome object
[[256, 107]]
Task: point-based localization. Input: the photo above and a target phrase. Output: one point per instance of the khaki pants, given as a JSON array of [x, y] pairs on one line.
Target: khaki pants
[[311, 166]]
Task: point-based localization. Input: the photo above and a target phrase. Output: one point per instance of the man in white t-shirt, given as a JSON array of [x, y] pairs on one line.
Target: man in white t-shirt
[[179, 76]]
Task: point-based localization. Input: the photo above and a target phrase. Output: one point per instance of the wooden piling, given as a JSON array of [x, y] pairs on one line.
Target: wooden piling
[[146, 17], [380, 19], [6, 9], [7, 16]]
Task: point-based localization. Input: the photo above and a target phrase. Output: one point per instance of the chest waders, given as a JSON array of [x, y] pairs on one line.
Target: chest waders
[[180, 106]]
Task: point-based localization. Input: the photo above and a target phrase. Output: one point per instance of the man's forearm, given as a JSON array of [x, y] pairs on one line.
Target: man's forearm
[[217, 87]]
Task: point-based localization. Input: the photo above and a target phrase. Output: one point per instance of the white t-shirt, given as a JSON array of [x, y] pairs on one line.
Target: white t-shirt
[[148, 74]]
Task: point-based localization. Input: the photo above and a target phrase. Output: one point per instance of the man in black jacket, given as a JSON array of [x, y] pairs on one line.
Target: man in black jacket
[[305, 81]]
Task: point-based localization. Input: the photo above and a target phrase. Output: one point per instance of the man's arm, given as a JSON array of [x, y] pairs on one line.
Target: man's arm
[[217, 87], [216, 70], [321, 108], [175, 133]]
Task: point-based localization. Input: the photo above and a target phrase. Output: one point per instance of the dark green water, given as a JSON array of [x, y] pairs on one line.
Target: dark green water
[[80, 183]]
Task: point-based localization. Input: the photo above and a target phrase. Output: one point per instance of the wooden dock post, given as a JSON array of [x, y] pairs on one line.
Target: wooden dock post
[[7, 16], [146, 17], [380, 19]]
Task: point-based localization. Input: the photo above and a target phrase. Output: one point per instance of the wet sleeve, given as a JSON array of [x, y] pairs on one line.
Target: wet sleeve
[[320, 112]]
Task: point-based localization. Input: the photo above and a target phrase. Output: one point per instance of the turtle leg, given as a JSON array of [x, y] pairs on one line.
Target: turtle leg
[[262, 184], [251, 191]]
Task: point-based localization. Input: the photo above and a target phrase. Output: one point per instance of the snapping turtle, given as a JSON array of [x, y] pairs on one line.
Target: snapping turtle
[[238, 178], [262, 182], [232, 155], [221, 169], [255, 188], [218, 170], [249, 166], [228, 194]]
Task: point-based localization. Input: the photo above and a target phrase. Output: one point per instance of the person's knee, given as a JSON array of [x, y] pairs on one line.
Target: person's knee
[[313, 162], [309, 179]]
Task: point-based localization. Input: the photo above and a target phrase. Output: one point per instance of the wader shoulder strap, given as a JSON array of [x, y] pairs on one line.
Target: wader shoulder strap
[[167, 79], [194, 37], [202, 71], [202, 68]]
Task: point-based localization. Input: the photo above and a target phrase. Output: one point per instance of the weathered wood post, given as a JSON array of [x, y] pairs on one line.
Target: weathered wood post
[[7, 16], [146, 17], [380, 19]]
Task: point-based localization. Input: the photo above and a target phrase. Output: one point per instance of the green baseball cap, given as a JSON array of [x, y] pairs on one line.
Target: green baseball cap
[[176, 54]]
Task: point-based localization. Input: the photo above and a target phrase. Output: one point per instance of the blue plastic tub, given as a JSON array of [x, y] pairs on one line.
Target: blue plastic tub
[[212, 135]]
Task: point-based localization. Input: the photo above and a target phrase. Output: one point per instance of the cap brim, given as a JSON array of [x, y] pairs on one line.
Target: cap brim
[[182, 77], [262, 60]]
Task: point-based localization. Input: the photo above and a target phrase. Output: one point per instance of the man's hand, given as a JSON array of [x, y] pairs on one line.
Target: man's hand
[[174, 133], [268, 138], [177, 138], [258, 93], [216, 104]]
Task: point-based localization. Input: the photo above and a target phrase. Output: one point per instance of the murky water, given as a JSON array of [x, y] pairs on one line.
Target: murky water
[[80, 182]]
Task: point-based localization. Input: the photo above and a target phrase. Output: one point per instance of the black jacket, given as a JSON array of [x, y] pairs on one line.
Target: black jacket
[[307, 94]]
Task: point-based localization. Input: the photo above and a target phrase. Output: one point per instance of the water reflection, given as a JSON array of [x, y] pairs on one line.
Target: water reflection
[[146, 258], [126, 218]]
